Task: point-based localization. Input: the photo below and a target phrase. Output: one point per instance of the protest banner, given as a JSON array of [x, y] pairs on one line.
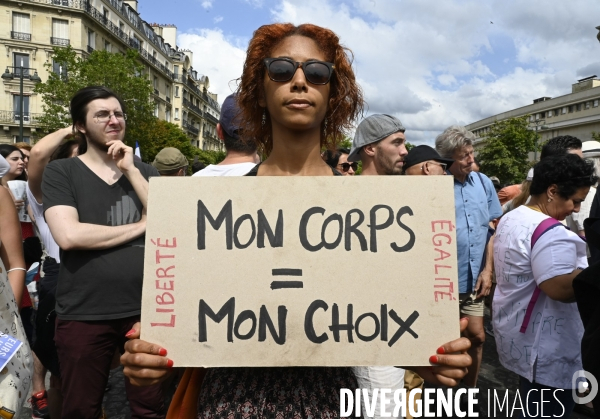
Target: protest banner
[[300, 271]]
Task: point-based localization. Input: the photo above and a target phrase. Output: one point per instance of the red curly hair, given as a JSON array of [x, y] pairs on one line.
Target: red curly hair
[[345, 97]]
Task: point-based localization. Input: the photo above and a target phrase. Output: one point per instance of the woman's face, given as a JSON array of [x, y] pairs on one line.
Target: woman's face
[[17, 165], [562, 207], [340, 167], [296, 104]]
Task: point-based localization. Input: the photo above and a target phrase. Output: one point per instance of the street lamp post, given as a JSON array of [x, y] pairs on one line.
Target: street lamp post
[[21, 74]]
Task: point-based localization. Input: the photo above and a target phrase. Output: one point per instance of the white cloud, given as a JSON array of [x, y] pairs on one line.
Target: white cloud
[[255, 3], [218, 19], [219, 58], [432, 63], [206, 4]]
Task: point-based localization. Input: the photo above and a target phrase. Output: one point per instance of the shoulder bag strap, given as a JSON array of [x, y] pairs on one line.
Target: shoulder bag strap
[[545, 226]]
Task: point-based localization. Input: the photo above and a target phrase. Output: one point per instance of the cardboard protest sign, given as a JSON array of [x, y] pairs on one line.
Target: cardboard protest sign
[[300, 271]]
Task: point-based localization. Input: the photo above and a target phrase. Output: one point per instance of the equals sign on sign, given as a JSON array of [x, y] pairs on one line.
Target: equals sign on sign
[[277, 285]]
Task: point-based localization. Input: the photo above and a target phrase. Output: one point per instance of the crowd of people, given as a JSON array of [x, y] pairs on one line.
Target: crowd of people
[[82, 194]]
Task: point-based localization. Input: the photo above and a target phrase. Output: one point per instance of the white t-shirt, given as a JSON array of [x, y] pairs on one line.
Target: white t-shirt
[[237, 169], [575, 220], [46, 237], [549, 351], [371, 378]]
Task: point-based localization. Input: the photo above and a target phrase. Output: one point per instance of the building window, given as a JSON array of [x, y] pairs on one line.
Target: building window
[[21, 27], [578, 107], [107, 46], [105, 13], [168, 91], [176, 91], [60, 32], [16, 139], [168, 115], [17, 108], [177, 114], [596, 103], [60, 69], [21, 60], [176, 70], [587, 105], [91, 40], [564, 110], [550, 114], [156, 109]]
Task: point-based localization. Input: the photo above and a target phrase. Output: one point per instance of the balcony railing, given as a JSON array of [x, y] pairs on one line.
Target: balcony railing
[[210, 118], [90, 49], [194, 108], [190, 127], [59, 41], [168, 99], [21, 36], [15, 117], [155, 91]]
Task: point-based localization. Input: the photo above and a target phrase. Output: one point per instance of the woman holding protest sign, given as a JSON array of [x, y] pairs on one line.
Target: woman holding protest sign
[[297, 94], [537, 326]]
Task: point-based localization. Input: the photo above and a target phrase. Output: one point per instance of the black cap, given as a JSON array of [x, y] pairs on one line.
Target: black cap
[[423, 153]]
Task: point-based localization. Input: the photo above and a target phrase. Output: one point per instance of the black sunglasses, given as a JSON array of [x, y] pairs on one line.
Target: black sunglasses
[[283, 69], [347, 166]]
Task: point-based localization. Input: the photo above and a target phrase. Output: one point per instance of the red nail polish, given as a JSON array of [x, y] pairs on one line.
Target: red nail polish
[[433, 359], [162, 351], [441, 350], [131, 332], [170, 363]]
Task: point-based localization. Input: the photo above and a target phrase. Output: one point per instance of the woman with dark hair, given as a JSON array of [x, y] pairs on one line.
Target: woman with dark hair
[[338, 159], [302, 81], [536, 323], [16, 161]]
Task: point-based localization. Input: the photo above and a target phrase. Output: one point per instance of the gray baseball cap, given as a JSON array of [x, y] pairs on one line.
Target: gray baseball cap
[[372, 129]]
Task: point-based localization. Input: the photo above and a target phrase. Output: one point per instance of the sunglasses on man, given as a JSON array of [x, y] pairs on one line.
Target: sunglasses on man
[[346, 166], [283, 69]]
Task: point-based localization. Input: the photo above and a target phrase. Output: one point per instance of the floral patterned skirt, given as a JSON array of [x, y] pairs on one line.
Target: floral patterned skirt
[[257, 393]]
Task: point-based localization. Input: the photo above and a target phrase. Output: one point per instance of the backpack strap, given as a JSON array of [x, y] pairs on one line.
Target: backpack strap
[[545, 226]]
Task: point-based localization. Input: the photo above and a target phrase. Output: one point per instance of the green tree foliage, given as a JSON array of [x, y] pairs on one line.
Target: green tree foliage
[[122, 73], [595, 136], [166, 134], [118, 72], [409, 146], [505, 153]]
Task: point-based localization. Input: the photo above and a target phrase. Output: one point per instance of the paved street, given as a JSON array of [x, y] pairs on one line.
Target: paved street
[[492, 376]]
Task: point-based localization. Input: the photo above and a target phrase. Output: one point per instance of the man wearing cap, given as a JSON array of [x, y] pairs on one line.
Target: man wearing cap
[[170, 162], [476, 205], [241, 155], [381, 145], [424, 160]]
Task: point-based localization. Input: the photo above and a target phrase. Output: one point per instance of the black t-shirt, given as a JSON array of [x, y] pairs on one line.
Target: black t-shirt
[[97, 284]]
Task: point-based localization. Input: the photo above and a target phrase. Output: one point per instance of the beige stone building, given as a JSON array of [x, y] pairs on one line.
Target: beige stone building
[[576, 114], [30, 28]]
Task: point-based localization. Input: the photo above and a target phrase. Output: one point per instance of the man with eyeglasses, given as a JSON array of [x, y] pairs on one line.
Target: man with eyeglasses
[[95, 206], [424, 160], [476, 206]]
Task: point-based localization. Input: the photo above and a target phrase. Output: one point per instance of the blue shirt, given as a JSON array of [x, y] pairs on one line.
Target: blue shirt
[[476, 206]]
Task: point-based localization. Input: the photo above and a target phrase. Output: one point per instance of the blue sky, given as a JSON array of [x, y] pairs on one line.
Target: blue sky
[[431, 63]]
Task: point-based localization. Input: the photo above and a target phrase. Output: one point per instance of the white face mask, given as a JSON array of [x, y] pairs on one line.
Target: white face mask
[[4, 166]]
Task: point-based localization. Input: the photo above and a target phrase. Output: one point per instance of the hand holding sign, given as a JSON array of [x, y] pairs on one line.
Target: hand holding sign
[[144, 363]]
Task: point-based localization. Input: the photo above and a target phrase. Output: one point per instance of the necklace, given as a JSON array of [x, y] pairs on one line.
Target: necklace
[[533, 208]]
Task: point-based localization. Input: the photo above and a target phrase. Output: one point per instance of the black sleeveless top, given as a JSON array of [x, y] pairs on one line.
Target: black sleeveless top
[[254, 171]]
